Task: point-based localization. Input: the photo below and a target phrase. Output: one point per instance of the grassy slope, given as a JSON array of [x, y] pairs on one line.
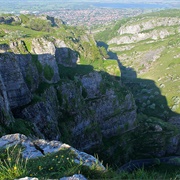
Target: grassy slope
[[73, 36], [165, 71]]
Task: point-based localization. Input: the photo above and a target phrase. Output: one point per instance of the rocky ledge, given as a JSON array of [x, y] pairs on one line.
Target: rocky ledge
[[40, 147]]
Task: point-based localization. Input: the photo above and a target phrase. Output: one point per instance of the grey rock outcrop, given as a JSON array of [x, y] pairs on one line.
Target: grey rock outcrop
[[5, 115], [144, 29], [17, 91], [9, 19], [74, 177], [28, 178], [56, 52], [95, 114], [64, 55], [134, 38], [44, 115], [148, 24], [46, 55], [31, 151], [4, 48]]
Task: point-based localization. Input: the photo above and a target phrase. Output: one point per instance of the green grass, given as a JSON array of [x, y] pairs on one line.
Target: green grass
[[12, 165], [164, 71], [28, 44], [112, 67], [37, 98], [61, 163], [42, 87], [110, 31], [25, 31], [51, 166], [71, 72]]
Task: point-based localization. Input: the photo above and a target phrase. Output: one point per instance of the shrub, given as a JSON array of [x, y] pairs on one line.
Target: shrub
[[21, 126], [39, 25], [48, 72], [29, 80], [24, 18], [37, 63], [2, 33]]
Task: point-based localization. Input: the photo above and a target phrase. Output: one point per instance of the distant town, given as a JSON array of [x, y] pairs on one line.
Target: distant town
[[86, 12], [96, 16]]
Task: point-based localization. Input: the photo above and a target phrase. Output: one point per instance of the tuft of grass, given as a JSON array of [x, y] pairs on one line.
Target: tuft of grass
[[12, 165], [60, 164], [52, 165]]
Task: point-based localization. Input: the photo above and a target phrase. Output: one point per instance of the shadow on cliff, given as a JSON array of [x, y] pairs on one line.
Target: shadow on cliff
[[148, 97], [26, 77], [141, 88]]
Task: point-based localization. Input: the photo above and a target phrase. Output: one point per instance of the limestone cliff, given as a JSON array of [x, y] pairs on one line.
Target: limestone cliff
[[79, 108], [146, 28]]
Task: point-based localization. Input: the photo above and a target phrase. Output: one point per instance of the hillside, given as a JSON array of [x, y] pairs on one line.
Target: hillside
[[148, 50], [58, 83]]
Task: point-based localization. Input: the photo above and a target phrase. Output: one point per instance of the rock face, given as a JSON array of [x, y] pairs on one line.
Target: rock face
[[17, 91], [144, 29], [44, 115], [146, 24], [4, 105], [9, 19], [81, 109], [92, 113], [134, 38]]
